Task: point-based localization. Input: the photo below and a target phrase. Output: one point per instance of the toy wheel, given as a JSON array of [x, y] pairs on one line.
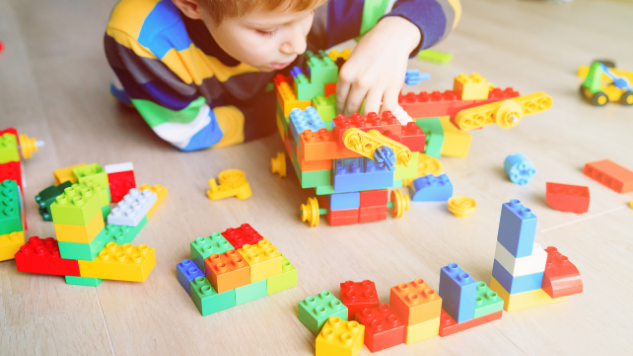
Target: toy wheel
[[462, 207], [627, 98], [231, 176], [400, 203], [28, 145], [599, 99], [509, 114], [310, 212], [278, 164]]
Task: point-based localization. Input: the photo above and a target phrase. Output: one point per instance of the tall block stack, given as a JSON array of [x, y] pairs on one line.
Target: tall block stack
[[419, 307], [11, 226]]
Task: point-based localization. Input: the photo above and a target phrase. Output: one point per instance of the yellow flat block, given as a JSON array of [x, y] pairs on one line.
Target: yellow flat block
[[121, 263], [423, 330], [523, 300], [161, 194], [10, 244], [80, 233], [65, 174], [264, 259], [456, 141]]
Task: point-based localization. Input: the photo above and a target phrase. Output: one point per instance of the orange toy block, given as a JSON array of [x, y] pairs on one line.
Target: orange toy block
[[318, 146], [415, 302], [227, 271]]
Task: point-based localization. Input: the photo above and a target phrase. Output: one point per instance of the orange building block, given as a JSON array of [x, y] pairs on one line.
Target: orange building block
[[286, 97], [318, 146], [610, 174], [227, 271], [415, 302]]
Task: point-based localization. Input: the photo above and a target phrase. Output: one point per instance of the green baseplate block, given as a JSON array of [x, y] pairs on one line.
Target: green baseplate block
[[314, 311], [207, 300], [250, 292], [286, 280], [203, 247], [487, 301], [432, 128]]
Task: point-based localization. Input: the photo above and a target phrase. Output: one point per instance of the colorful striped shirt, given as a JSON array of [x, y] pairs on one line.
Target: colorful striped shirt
[[195, 96]]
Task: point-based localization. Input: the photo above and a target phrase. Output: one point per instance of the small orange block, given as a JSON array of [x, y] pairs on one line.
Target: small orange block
[[415, 302], [227, 271]]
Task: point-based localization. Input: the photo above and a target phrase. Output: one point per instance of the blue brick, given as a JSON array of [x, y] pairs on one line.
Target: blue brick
[[458, 291], [431, 188], [344, 201], [517, 228], [301, 120], [518, 284], [356, 174], [414, 77], [519, 168], [187, 272]]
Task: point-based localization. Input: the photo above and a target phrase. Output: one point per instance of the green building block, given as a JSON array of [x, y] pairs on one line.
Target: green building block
[[203, 247], [329, 189], [487, 301], [286, 280], [105, 211], [306, 90], [91, 173], [432, 128], [314, 311], [46, 197], [321, 68], [102, 191], [10, 210], [250, 292], [75, 207], [312, 179], [83, 281], [9, 148], [326, 107], [403, 172], [432, 55], [284, 120], [207, 300]]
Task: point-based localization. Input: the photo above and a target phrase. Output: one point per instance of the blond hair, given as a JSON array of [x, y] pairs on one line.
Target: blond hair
[[220, 10]]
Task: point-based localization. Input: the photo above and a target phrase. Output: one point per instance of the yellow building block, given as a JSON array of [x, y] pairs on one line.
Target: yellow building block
[[233, 183], [426, 165], [422, 331], [340, 338], [161, 194], [10, 244], [280, 126], [336, 54], [264, 259], [288, 100], [456, 141], [78, 233], [121, 263], [473, 87], [523, 300], [65, 174]]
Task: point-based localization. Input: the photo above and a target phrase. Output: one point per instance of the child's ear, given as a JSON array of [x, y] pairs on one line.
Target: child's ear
[[190, 8]]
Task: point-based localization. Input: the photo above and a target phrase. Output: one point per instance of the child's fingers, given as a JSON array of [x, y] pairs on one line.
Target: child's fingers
[[355, 100], [342, 91], [390, 100], [372, 102]]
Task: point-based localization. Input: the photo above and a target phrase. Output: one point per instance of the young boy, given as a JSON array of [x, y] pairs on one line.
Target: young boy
[[197, 70]]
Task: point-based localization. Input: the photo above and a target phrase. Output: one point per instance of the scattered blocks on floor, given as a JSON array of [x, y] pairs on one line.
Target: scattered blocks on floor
[[519, 168], [232, 183], [458, 291], [431, 188], [383, 328], [561, 277], [567, 197], [357, 296], [314, 311], [340, 338], [133, 208], [10, 244], [611, 175]]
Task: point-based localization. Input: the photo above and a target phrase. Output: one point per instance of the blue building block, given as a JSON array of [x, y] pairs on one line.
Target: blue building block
[[344, 201], [187, 272], [519, 168], [517, 228], [518, 284], [414, 77], [308, 119], [356, 174], [431, 188], [458, 291]]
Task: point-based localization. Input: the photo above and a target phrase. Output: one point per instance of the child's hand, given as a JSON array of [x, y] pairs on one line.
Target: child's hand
[[376, 68]]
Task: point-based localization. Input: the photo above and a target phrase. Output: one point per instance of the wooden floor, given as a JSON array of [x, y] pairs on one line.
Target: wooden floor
[[54, 85]]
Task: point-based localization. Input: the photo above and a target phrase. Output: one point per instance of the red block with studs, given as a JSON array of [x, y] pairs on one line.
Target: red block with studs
[[413, 137], [357, 296], [321, 145], [120, 184], [387, 124], [371, 198], [329, 89], [372, 213], [566, 197], [241, 236], [383, 327], [12, 171], [42, 256], [561, 277], [449, 326]]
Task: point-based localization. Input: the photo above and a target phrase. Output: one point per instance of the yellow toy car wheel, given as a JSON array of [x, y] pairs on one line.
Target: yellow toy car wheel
[[400, 203], [627, 98], [599, 99], [509, 114], [310, 212], [462, 207]]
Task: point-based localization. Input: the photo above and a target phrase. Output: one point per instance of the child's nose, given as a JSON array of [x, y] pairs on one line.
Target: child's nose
[[295, 44]]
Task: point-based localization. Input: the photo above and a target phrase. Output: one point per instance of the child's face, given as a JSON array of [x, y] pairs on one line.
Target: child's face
[[265, 40]]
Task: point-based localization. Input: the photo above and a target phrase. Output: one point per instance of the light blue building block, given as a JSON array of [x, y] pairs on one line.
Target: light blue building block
[[251, 292], [519, 168], [431, 188], [518, 284], [344, 201], [414, 77], [356, 174], [187, 272], [458, 291], [301, 120], [517, 228]]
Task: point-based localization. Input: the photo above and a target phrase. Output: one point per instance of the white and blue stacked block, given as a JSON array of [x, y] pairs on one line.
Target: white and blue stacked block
[[431, 188], [343, 201], [187, 272], [459, 293], [357, 174], [133, 208], [301, 120], [519, 168]]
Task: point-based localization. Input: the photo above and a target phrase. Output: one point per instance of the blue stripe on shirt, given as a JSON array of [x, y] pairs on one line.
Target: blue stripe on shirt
[[428, 15], [207, 137], [164, 29], [344, 20]]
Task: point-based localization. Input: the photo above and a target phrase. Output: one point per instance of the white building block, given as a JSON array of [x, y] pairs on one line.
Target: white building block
[[522, 266], [118, 167], [132, 208]]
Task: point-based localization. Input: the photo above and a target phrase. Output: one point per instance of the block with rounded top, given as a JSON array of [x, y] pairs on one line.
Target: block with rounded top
[[357, 296], [121, 263], [10, 244], [314, 311], [41, 256], [561, 277], [10, 210], [263, 258], [161, 194], [458, 291], [431, 188], [383, 327], [91, 172], [287, 279], [517, 228], [519, 168], [415, 302], [203, 247], [187, 271], [340, 338], [76, 206], [487, 301], [422, 331], [241, 236], [227, 271], [207, 299], [133, 208]]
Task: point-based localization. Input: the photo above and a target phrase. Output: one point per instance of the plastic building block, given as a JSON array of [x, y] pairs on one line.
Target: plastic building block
[[366, 144], [244, 234], [518, 301], [321, 68], [431, 188], [11, 171], [83, 281], [447, 103], [372, 213], [233, 183], [355, 174], [434, 136], [121, 263], [413, 137], [312, 179], [91, 172], [414, 77], [340, 338], [566, 197], [42, 256], [47, 196], [133, 208], [187, 271], [449, 326], [301, 120], [336, 54], [286, 97], [610, 174], [302, 86], [329, 189], [315, 311], [415, 302], [357, 296], [343, 217], [66, 174], [516, 284], [75, 207], [383, 328], [422, 331], [426, 165], [517, 228], [161, 194], [227, 271], [326, 105], [286, 280], [102, 191], [9, 148], [387, 124], [462, 207], [345, 201], [561, 277], [487, 301], [431, 55], [250, 292], [522, 266], [321, 145], [309, 166], [120, 179], [10, 244], [207, 300], [10, 211], [29, 145], [329, 89], [278, 164], [370, 198], [80, 233], [263, 258], [473, 87], [519, 168], [458, 291], [409, 172], [456, 142], [203, 247]]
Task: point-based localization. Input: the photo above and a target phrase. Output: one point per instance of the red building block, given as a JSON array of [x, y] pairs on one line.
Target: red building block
[[371, 198], [342, 217], [561, 277], [330, 88], [120, 184], [42, 257], [610, 174], [373, 213], [413, 137], [321, 145], [241, 236], [357, 296], [388, 125], [12, 171], [449, 326], [566, 197], [383, 328]]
